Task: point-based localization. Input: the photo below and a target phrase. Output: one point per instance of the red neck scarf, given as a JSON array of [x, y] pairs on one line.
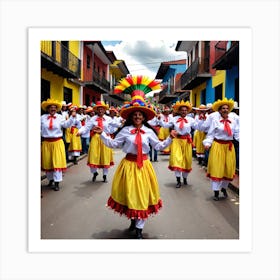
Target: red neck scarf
[[182, 121], [226, 126], [100, 122], [138, 142], [51, 117]]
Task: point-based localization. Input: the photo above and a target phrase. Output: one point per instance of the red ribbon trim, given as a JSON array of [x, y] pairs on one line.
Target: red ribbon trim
[[216, 179], [134, 213], [175, 168], [100, 166]]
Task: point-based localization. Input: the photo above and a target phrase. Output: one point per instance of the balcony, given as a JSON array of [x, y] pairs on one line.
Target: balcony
[[165, 96], [226, 55], [196, 74], [98, 83], [58, 59]]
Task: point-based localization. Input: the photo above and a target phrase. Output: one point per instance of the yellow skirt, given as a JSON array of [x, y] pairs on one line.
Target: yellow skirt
[[135, 191], [99, 155], [162, 135], [53, 156], [75, 141], [198, 137], [67, 135], [221, 162], [180, 155]]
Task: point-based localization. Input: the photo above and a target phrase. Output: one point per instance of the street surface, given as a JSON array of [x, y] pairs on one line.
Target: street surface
[[78, 210]]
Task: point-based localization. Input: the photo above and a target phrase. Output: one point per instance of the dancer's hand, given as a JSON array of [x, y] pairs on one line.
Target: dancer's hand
[[97, 129], [173, 133]]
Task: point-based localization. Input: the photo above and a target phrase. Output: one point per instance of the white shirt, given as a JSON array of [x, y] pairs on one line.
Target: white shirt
[[126, 140], [58, 123], [175, 123], [107, 121], [216, 131]]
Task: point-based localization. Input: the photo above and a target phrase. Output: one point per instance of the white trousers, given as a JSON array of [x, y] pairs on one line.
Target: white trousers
[[54, 175], [179, 173], [105, 170], [216, 186], [140, 223]]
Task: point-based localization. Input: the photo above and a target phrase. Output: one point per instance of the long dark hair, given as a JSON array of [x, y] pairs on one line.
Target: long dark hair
[[129, 122]]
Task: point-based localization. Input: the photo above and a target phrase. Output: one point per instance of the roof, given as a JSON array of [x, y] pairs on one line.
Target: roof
[[164, 66]]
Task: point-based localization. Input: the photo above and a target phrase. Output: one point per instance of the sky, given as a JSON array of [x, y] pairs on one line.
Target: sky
[[144, 57]]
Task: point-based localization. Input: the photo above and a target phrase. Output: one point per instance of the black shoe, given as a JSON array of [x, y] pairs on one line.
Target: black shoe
[[185, 181], [132, 225], [178, 182], [224, 191], [75, 160], [216, 196], [56, 186], [50, 183], [94, 176], [105, 179], [139, 233]]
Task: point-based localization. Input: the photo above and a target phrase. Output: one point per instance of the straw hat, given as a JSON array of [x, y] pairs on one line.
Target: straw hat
[[112, 108], [201, 107], [225, 101], [182, 103], [73, 107], [137, 87], [49, 102], [101, 104], [89, 109]]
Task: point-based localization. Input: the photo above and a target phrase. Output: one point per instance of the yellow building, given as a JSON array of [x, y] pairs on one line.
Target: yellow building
[[61, 71]]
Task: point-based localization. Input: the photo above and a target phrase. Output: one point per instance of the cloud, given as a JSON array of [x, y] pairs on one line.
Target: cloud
[[144, 57]]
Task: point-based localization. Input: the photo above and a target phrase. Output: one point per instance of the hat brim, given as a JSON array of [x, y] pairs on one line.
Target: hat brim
[[149, 113], [177, 107], [218, 104], [200, 109], [46, 104], [102, 106]]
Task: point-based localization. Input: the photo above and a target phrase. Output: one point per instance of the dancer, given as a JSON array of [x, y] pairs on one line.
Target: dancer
[[180, 160], [222, 161], [52, 149], [135, 190]]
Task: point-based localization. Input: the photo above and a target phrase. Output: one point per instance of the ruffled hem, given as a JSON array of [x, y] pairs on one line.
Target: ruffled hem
[[175, 168], [99, 165], [133, 213], [54, 169], [219, 179]]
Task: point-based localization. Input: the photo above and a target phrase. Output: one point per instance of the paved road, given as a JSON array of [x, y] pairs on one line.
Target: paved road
[[78, 210]]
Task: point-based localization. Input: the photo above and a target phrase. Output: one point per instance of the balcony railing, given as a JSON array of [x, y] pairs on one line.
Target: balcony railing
[[60, 56], [164, 92], [194, 70], [100, 81]]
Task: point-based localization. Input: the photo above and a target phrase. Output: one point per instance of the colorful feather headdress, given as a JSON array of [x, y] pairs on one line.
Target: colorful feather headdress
[[137, 87]]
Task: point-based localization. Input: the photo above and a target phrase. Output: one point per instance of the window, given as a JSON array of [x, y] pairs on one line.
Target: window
[[203, 97], [219, 92], [67, 95], [88, 61]]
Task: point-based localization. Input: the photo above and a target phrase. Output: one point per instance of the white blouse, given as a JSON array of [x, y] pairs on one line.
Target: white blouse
[[126, 140], [59, 122], [189, 123], [216, 131], [107, 122]]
